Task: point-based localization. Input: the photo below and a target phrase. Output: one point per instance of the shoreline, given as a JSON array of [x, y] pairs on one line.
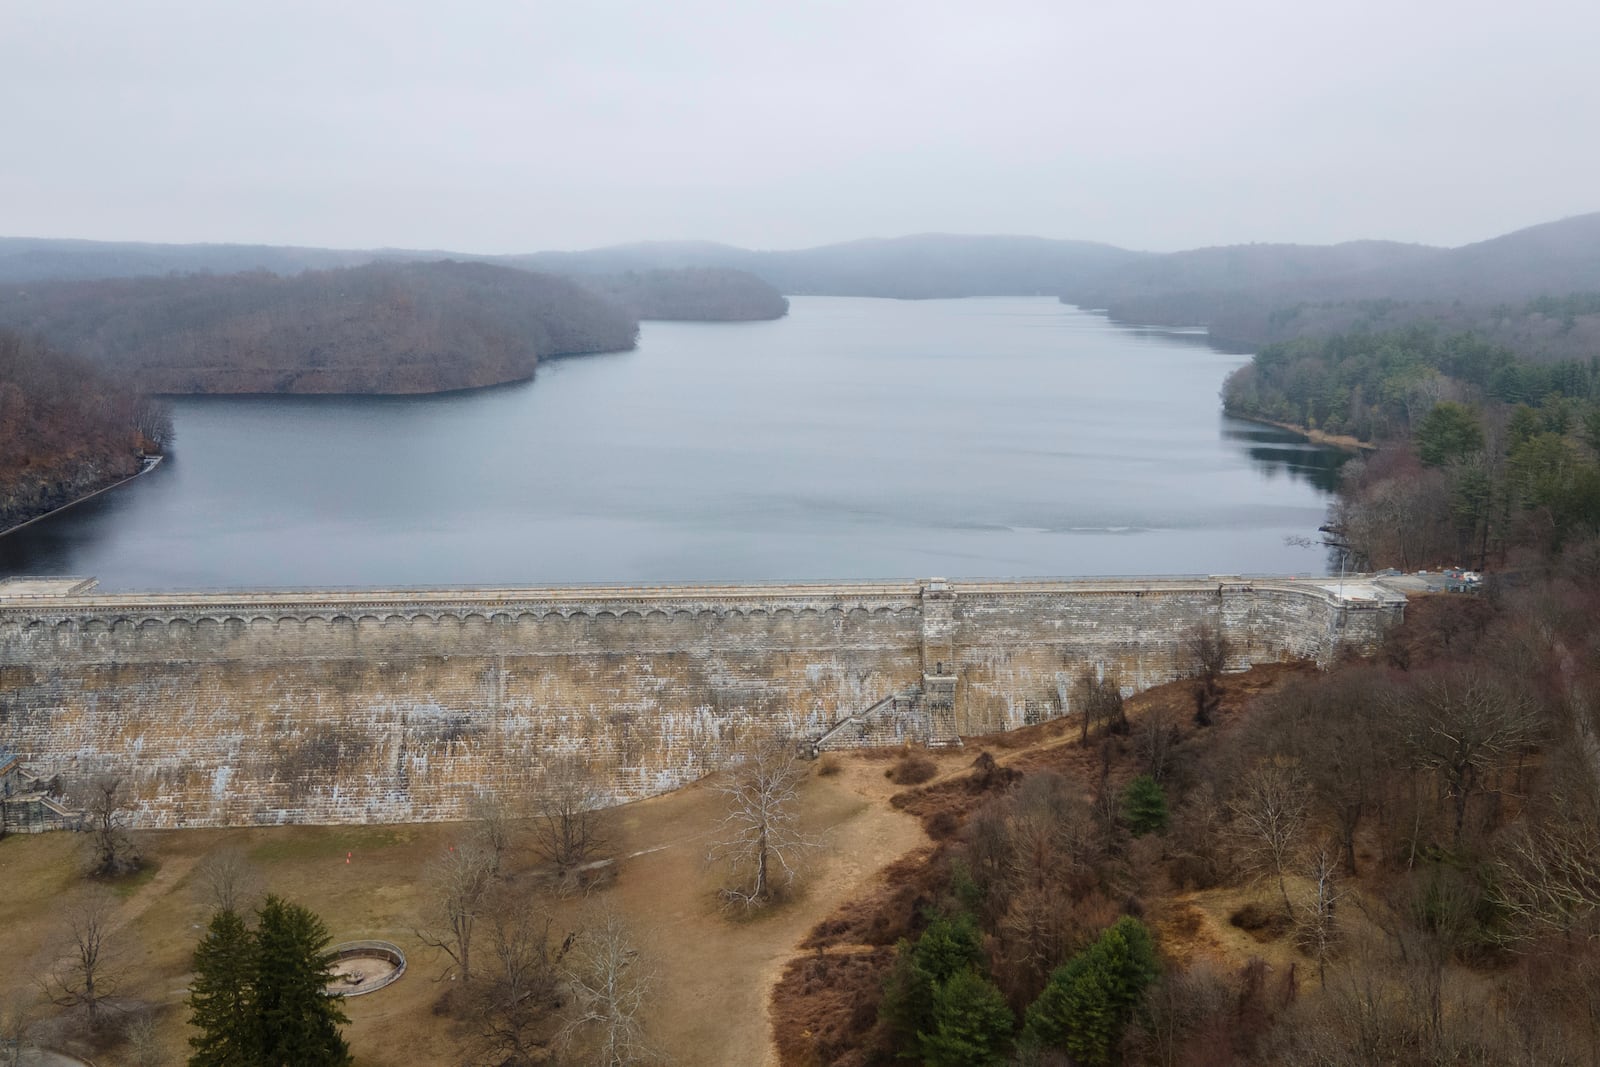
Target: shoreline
[[1343, 442], [149, 464]]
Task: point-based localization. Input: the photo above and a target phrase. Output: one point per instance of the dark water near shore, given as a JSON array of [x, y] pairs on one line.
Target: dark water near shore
[[855, 439]]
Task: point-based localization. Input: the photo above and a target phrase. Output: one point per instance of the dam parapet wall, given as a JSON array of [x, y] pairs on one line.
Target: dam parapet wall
[[346, 706]]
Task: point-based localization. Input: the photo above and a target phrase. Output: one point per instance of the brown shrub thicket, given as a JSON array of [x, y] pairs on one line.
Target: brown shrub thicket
[[911, 768], [1425, 829]]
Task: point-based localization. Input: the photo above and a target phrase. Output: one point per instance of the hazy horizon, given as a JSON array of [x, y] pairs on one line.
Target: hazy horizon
[[503, 129], [391, 247]]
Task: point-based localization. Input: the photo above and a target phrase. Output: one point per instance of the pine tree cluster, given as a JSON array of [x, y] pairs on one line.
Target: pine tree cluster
[[259, 996]]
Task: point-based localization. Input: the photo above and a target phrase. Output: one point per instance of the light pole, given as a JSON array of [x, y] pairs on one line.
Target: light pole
[[1335, 539]]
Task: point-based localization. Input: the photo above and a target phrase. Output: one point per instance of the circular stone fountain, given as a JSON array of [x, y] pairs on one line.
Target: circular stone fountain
[[361, 967]]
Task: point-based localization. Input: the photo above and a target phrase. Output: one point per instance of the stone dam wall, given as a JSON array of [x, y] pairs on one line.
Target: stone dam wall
[[388, 706]]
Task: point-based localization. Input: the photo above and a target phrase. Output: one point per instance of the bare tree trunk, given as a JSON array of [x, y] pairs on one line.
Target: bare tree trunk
[[758, 837], [458, 882], [87, 973], [611, 984]]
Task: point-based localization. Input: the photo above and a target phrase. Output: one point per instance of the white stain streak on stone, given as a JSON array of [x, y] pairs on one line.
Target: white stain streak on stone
[[277, 708]]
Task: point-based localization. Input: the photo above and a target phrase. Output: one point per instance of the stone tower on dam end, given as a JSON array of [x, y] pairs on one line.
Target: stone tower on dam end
[[393, 705]]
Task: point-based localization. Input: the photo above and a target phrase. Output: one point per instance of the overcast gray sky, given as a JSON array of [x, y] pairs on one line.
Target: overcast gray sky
[[501, 127]]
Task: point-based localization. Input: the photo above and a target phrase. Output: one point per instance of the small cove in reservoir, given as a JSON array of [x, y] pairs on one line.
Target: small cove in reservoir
[[855, 439]]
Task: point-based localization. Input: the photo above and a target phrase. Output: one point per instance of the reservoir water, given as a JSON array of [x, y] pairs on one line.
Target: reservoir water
[[856, 438]]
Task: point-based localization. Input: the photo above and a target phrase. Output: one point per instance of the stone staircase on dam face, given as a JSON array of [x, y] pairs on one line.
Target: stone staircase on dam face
[[901, 719], [29, 802]]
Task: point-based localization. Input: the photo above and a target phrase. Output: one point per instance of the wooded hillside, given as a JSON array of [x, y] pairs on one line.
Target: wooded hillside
[[1549, 328], [381, 328], [1512, 289], [66, 428], [1485, 456], [38, 259]]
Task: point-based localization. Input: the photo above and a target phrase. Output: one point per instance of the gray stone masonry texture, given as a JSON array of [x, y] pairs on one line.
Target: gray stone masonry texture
[[395, 705]]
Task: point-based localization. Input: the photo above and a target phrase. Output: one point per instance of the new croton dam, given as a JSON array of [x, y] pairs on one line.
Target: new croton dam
[[400, 705]]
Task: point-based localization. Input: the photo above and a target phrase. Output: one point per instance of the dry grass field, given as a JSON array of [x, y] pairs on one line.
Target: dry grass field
[[715, 971]]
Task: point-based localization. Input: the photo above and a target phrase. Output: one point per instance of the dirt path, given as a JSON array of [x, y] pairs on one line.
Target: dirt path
[[717, 971], [168, 877]]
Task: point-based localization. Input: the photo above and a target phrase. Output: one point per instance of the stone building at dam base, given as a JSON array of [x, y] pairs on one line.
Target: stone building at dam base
[[249, 708]]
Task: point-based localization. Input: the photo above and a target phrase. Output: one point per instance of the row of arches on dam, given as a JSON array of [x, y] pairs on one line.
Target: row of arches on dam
[[131, 619], [340, 707]]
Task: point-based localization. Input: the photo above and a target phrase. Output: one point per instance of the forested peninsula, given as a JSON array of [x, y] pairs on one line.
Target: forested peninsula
[[380, 328], [81, 357], [67, 429], [1485, 456]]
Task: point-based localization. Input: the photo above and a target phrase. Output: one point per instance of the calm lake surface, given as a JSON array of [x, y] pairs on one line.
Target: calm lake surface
[[856, 438]]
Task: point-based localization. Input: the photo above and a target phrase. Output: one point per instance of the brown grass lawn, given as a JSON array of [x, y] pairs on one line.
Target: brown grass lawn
[[715, 972]]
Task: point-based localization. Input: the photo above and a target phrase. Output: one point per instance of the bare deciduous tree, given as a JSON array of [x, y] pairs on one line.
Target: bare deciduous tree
[[1189, 1017], [1049, 850], [226, 880], [144, 1043], [1197, 832], [515, 996], [491, 827], [458, 884], [1208, 650], [88, 971], [1549, 877], [1464, 728], [1319, 930], [16, 1019], [113, 851], [759, 838], [1099, 703], [569, 815], [1158, 737], [610, 983], [1429, 918], [1269, 817]]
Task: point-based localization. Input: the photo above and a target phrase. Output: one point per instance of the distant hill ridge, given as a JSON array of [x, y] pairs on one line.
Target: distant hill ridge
[[923, 266], [1551, 257], [1245, 294]]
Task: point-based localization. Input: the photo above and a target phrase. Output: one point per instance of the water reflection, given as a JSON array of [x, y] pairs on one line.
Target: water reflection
[[856, 439], [1282, 452]]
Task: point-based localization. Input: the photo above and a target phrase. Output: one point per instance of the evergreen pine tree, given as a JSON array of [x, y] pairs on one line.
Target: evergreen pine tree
[[1088, 1001], [1144, 806], [219, 997], [298, 1019], [948, 946], [971, 1022]]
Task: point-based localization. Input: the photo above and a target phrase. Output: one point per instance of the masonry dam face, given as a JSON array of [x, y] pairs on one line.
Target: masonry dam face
[[388, 706]]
